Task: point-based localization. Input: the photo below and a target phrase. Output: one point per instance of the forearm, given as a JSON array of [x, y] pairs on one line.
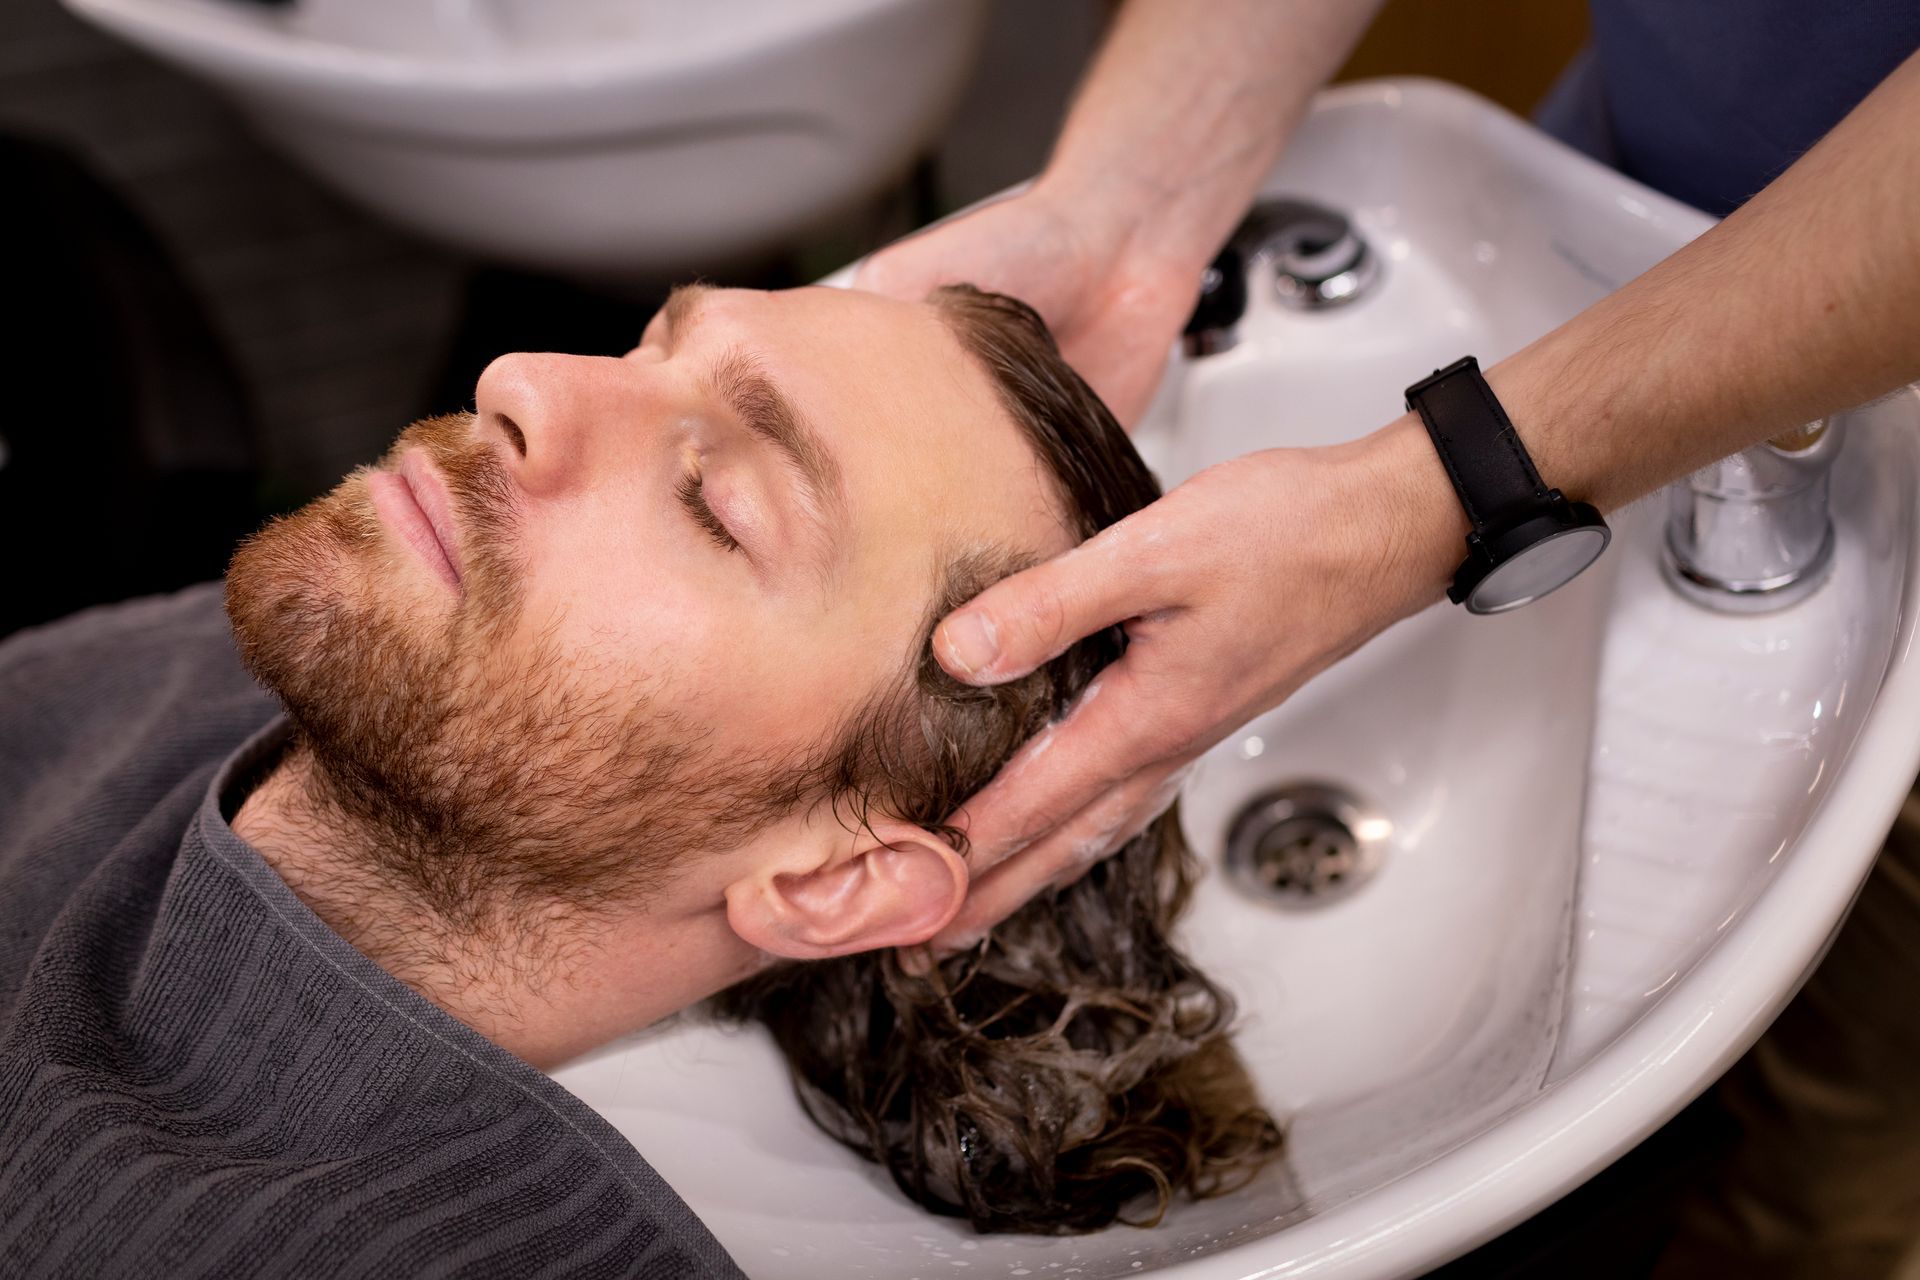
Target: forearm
[[1804, 301], [1251, 576], [1185, 111]]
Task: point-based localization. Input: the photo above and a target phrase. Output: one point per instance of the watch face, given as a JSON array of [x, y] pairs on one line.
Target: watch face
[[1529, 574]]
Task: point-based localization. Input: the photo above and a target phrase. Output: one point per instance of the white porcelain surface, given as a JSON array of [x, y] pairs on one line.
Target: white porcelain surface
[[601, 136], [1719, 736], [1624, 828]]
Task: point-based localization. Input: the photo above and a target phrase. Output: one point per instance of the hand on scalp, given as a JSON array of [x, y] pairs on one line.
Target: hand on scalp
[[1234, 589], [1114, 311]]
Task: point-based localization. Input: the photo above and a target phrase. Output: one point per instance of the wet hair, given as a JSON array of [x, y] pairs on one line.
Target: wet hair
[[1073, 1069]]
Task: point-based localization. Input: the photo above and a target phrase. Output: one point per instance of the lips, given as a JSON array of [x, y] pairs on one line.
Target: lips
[[412, 501]]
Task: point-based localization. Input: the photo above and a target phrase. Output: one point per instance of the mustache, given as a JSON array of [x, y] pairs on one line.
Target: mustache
[[485, 501]]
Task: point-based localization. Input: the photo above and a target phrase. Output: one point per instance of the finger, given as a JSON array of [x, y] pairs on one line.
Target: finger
[[1062, 857], [1106, 736], [1022, 621]]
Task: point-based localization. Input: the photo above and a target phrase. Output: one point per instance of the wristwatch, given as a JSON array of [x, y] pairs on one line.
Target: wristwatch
[[1527, 539]]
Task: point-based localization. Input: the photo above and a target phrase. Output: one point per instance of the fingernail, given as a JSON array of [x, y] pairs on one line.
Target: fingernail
[[972, 642]]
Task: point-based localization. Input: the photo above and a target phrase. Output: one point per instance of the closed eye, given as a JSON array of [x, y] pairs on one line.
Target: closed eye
[[693, 497]]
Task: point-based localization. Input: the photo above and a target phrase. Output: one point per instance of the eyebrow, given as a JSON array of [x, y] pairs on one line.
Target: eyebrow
[[739, 382]]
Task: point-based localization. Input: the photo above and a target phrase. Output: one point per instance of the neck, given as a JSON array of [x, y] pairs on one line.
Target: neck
[[547, 981]]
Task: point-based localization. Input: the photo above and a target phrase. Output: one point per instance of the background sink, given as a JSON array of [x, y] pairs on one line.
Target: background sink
[[607, 137], [1622, 828]]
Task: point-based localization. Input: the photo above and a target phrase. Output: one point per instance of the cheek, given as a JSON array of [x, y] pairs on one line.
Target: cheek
[[624, 604], [633, 607], [800, 677]]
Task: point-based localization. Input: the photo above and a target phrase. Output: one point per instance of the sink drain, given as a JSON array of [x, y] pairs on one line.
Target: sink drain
[[1305, 844]]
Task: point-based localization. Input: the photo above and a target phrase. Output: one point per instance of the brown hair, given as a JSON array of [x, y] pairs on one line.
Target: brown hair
[[1073, 1067]]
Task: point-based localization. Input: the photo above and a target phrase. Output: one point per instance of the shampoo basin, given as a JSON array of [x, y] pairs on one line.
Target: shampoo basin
[[1614, 831]]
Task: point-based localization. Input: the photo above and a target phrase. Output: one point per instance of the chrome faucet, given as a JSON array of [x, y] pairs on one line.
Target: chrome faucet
[[1752, 533], [1309, 255], [1317, 259]]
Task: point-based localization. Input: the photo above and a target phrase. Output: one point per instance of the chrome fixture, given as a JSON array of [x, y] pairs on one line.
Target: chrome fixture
[[1312, 254], [1214, 326], [1753, 533], [1305, 844], [1315, 256]]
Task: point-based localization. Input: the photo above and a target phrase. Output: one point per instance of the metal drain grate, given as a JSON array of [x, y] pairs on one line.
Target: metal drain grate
[[1305, 844]]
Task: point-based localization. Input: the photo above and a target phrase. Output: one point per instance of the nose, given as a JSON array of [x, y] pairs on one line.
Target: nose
[[561, 414]]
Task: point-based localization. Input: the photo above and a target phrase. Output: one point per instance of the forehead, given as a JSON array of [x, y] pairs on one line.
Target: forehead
[[930, 453]]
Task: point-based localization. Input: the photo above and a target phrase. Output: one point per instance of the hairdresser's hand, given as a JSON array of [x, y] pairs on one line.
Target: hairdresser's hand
[[1115, 310], [1234, 589]]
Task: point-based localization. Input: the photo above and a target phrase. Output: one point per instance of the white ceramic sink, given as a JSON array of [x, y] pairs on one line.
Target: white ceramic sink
[[1623, 829], [603, 137]]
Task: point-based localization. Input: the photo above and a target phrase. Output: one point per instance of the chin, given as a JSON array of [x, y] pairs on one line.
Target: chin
[[307, 617], [488, 774]]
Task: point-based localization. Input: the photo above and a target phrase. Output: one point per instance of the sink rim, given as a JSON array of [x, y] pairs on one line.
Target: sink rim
[[245, 45], [1589, 1117], [1715, 1011], [1711, 1016]]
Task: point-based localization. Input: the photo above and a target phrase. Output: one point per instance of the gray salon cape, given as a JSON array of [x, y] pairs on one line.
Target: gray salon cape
[[197, 1076]]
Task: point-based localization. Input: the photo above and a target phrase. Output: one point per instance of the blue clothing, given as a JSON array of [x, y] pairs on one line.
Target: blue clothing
[[1709, 100]]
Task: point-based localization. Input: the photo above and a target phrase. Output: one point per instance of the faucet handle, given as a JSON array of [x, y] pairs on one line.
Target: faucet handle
[[1317, 258], [1213, 326], [1313, 255]]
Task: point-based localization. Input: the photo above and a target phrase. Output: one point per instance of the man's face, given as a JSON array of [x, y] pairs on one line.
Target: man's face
[[570, 631]]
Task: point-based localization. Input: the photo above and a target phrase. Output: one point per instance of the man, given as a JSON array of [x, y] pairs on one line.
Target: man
[[580, 690]]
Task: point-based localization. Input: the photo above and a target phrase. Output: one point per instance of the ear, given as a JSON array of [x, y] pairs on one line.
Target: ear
[[896, 885]]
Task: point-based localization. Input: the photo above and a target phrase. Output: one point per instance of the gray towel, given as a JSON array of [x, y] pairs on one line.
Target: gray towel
[[197, 1076]]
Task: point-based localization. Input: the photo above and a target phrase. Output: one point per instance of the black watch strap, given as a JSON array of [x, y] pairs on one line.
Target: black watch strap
[[1476, 441], [1526, 539]]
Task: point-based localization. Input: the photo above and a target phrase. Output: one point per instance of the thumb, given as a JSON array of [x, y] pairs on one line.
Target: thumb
[[1022, 621]]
